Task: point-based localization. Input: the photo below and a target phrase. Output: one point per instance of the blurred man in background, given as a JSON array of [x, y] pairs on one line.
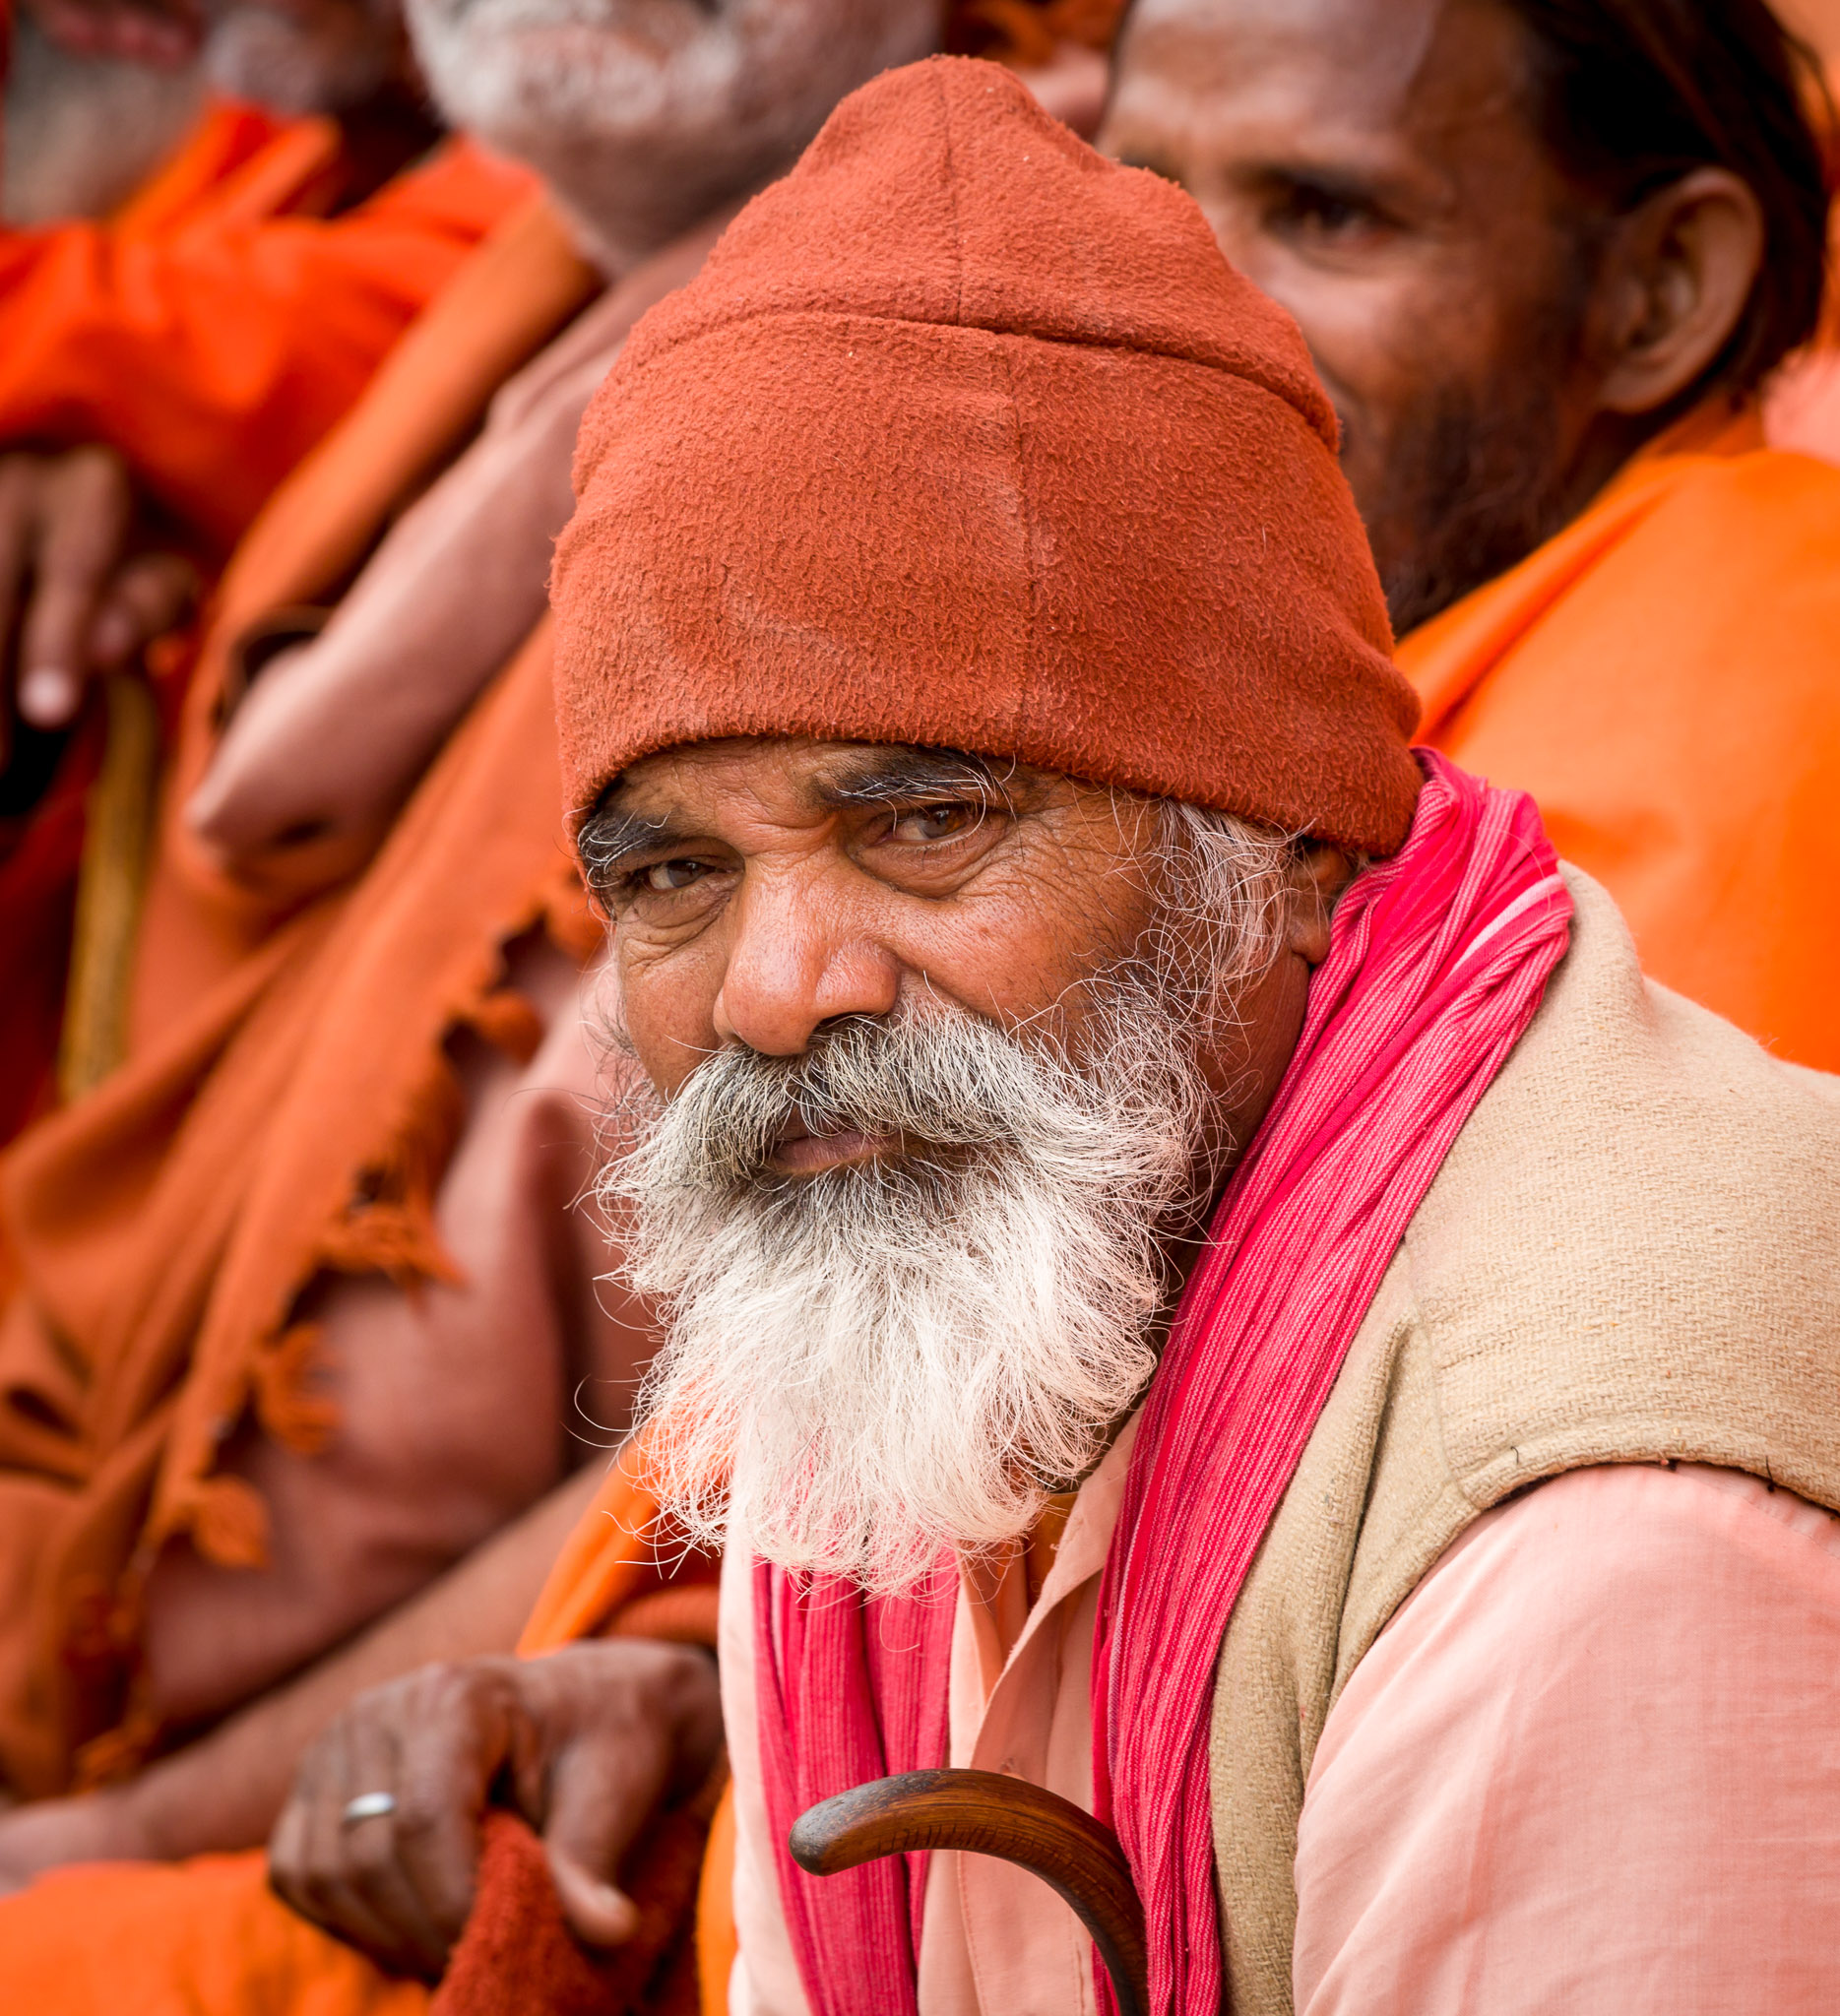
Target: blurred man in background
[[1546, 255], [310, 1255], [212, 318]]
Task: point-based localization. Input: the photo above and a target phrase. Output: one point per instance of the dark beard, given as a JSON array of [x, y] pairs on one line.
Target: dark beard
[[1473, 478], [1472, 488]]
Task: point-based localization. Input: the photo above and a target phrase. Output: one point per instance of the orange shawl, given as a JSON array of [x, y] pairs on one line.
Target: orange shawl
[[212, 331], [217, 326], [1661, 675], [297, 1111]]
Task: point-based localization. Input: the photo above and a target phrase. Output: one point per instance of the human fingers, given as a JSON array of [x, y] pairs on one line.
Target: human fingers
[[639, 1733], [147, 596], [364, 1875], [374, 1879], [84, 507], [600, 1798], [296, 1841], [18, 516], [449, 1751], [307, 1853], [360, 1882]]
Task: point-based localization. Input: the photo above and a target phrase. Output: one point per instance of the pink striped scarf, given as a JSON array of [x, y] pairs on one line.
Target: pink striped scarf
[[1436, 964]]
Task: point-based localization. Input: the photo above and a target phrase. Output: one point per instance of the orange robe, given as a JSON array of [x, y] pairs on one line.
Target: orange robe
[[1664, 677], [207, 1937], [222, 321], [285, 1113], [211, 332], [298, 1112]]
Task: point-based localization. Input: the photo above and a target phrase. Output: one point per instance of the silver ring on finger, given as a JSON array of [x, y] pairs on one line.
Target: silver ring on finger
[[368, 1805]]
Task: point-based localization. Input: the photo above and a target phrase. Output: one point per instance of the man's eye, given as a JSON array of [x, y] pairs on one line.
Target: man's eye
[[935, 822], [663, 876], [1308, 210]]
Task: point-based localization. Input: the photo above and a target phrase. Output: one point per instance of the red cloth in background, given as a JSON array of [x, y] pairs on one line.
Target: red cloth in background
[[38, 856]]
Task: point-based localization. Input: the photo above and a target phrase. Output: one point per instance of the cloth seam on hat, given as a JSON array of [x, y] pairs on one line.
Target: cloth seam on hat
[[655, 353], [958, 221], [1031, 558], [1155, 352]]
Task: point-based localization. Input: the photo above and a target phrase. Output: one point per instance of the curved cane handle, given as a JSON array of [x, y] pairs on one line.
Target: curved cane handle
[[981, 1812]]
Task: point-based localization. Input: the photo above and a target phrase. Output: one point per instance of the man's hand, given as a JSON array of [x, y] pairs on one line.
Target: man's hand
[[89, 601], [585, 1743]]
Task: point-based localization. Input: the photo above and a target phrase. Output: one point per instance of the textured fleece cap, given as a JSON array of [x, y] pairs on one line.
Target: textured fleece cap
[[967, 438]]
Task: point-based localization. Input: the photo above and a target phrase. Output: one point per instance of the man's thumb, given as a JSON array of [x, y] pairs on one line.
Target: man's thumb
[[600, 1794], [598, 1914]]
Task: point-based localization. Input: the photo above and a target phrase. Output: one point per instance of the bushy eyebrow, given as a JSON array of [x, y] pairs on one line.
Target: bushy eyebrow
[[879, 776], [609, 838]]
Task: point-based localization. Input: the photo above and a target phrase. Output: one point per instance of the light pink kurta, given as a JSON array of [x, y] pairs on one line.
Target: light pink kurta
[[1592, 1764]]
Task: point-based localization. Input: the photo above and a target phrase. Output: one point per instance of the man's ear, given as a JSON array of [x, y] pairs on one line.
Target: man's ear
[[1671, 287], [1319, 876]]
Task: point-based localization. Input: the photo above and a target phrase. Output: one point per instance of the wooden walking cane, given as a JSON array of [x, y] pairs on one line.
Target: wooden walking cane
[[117, 848], [981, 1812]]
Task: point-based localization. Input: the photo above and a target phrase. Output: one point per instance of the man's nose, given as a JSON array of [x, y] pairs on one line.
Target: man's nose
[[798, 959]]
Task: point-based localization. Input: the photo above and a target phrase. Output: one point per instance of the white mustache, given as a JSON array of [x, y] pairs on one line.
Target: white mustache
[[939, 1080]]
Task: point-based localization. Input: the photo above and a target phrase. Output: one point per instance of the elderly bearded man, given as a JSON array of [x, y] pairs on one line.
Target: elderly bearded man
[[1545, 255], [1214, 1285]]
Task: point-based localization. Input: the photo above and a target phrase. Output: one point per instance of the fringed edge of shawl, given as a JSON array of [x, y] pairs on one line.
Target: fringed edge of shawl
[[387, 1226]]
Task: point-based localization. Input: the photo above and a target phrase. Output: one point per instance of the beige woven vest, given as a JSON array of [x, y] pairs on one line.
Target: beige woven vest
[[1631, 1254]]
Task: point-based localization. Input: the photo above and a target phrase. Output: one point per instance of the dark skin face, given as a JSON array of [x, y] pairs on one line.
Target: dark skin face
[[765, 888], [759, 889], [1482, 325]]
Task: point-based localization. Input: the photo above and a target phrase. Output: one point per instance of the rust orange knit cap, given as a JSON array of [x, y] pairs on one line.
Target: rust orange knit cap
[[967, 438]]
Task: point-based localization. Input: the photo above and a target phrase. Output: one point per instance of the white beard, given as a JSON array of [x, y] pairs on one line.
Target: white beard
[[294, 68], [645, 115], [874, 1364], [907, 1357], [505, 69]]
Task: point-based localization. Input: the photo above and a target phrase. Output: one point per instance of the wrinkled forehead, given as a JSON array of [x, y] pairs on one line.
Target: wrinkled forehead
[[1347, 73]]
